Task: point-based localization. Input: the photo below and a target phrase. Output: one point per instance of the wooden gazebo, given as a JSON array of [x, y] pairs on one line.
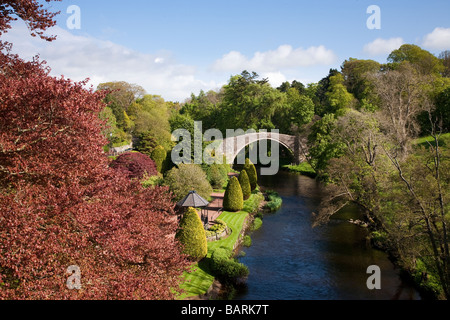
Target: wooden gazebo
[[194, 200]]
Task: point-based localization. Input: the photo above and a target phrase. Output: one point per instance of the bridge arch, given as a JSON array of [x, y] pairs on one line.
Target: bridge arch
[[232, 146]]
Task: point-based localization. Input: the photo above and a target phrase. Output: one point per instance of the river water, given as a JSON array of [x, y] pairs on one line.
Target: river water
[[290, 260]]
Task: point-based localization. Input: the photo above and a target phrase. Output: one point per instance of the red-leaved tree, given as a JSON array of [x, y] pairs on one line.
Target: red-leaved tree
[[61, 205], [135, 165]]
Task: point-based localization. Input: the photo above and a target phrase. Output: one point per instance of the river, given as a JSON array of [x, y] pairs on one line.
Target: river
[[290, 260]]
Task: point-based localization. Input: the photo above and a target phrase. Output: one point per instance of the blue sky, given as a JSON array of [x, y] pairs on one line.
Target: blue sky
[[174, 48]]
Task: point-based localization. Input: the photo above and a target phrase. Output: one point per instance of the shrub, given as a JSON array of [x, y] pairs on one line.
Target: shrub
[[257, 223], [152, 181], [233, 199], [216, 174], [245, 184], [159, 155], [227, 269], [192, 236], [247, 241], [249, 167], [219, 227], [135, 165], [185, 178], [275, 201]]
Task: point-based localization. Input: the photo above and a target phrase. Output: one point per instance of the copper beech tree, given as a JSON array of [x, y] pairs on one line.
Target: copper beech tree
[[60, 203]]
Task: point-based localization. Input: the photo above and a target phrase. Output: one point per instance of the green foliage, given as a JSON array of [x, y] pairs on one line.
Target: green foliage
[[228, 270], [217, 174], [185, 178], [247, 242], [146, 143], [233, 200], [159, 155], [257, 224], [422, 60], [150, 115], [323, 146], [425, 279], [152, 181], [248, 103], [254, 202], [303, 168], [249, 167], [245, 184], [355, 73], [274, 201], [301, 108], [219, 227], [338, 96], [192, 236]]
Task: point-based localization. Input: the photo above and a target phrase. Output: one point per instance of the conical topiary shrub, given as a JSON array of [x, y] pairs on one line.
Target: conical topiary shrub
[[233, 200], [245, 184], [249, 167], [192, 235]]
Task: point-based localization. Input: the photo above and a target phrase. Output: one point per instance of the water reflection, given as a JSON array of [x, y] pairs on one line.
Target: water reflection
[[290, 260]]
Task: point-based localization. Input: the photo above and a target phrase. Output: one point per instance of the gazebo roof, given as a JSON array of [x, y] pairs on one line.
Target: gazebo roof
[[194, 200]]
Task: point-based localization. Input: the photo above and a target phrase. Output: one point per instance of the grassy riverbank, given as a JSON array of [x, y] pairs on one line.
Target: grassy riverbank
[[201, 278], [303, 168]]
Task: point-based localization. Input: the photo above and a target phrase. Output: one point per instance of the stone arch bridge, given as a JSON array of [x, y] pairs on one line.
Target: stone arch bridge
[[232, 146]]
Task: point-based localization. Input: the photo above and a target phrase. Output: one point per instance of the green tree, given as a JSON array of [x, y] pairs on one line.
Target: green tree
[[445, 58], [249, 167], [192, 235], [322, 146], [423, 61], [120, 97], [150, 114], [159, 155], [204, 107], [302, 107], [146, 143], [443, 109], [339, 98], [245, 184], [355, 73], [248, 103], [233, 200], [185, 178]]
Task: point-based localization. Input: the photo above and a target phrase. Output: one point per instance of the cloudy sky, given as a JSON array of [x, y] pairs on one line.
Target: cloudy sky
[[175, 48]]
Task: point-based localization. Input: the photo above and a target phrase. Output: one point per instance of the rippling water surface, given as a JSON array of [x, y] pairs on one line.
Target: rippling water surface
[[290, 260]]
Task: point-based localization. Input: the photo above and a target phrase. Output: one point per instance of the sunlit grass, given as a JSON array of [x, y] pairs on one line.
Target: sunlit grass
[[199, 280]]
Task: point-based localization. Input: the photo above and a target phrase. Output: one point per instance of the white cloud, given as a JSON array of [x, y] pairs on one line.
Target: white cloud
[[382, 46], [275, 78], [439, 39], [284, 57], [81, 57]]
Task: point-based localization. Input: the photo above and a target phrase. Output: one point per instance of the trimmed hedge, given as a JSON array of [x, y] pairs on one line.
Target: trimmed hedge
[[225, 268], [233, 199], [192, 235], [245, 184], [249, 167]]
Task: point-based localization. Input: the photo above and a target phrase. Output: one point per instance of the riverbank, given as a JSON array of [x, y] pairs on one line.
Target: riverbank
[[303, 168], [200, 283]]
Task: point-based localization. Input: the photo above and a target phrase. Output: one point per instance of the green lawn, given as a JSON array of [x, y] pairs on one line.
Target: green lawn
[[444, 140], [200, 280], [303, 168]]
